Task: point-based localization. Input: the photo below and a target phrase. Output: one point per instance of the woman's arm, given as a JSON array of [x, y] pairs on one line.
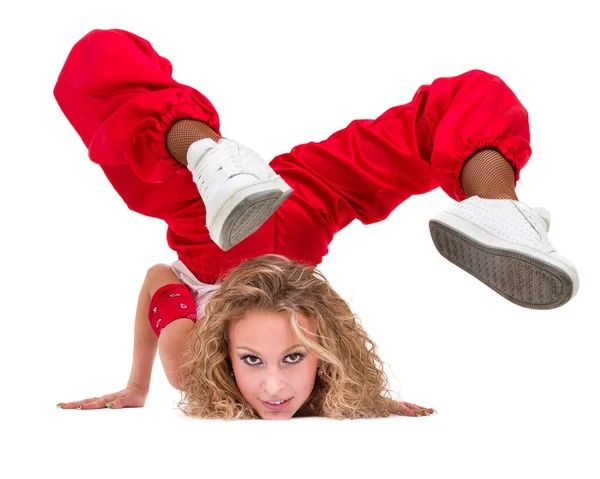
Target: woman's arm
[[172, 336], [145, 343]]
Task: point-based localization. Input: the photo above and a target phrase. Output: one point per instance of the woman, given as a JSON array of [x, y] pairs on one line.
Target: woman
[[250, 270]]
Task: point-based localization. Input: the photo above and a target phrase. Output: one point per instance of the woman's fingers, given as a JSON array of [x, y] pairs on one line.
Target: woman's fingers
[[408, 409], [97, 404], [419, 410], [119, 403], [93, 403], [75, 404]]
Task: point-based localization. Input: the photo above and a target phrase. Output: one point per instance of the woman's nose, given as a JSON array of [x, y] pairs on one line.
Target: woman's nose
[[274, 381]]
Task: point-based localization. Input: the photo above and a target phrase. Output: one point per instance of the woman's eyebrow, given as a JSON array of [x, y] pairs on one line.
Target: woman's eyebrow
[[258, 354]]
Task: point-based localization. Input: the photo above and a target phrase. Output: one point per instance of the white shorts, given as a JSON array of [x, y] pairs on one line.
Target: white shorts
[[201, 291]]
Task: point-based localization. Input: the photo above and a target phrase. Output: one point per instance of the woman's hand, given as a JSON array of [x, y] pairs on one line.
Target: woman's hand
[[131, 396], [408, 409]]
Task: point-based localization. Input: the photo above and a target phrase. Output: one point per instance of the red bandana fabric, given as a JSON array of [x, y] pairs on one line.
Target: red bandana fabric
[[169, 303]]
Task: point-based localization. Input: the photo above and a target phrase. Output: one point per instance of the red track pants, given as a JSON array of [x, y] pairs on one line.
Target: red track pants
[[120, 97]]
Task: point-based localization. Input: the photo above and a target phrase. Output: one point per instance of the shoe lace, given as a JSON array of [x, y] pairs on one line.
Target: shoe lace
[[211, 173]]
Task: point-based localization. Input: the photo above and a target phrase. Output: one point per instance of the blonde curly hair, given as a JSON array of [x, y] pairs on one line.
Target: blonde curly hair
[[351, 383]]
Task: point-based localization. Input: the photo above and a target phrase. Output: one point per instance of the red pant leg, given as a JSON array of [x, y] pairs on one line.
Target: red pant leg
[[120, 97], [367, 169]]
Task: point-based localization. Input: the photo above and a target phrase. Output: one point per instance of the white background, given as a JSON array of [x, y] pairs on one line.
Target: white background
[[516, 390]]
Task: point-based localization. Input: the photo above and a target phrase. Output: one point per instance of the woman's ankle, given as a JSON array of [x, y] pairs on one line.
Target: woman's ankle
[[185, 132], [488, 174]]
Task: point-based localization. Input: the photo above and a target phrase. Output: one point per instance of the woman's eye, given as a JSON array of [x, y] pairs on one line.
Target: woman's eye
[[250, 359], [298, 357]]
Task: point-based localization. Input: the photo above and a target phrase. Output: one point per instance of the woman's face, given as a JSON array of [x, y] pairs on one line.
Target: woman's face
[[271, 364]]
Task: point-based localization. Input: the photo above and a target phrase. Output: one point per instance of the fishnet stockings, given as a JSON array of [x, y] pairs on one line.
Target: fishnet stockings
[[488, 175], [185, 132]]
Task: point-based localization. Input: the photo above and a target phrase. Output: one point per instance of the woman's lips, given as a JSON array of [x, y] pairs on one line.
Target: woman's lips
[[277, 407]]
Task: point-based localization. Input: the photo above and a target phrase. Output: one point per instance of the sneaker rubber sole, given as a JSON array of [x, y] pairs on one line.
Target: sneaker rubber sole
[[246, 211], [527, 278]]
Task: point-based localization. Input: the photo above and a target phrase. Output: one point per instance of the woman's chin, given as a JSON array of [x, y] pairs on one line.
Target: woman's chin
[[276, 416], [268, 417]]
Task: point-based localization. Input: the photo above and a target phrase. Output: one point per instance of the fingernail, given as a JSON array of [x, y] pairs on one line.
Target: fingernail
[[60, 405], [435, 412], [109, 405], [79, 407], [417, 413], [427, 413]]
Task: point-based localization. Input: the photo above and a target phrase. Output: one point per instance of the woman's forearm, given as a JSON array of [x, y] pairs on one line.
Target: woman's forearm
[[170, 348], [145, 342]]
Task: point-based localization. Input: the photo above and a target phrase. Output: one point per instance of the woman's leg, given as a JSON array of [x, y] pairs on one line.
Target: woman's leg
[[136, 121], [367, 169], [468, 134]]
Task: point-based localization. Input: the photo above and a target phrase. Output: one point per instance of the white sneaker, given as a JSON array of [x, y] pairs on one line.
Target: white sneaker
[[239, 189], [504, 244]]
